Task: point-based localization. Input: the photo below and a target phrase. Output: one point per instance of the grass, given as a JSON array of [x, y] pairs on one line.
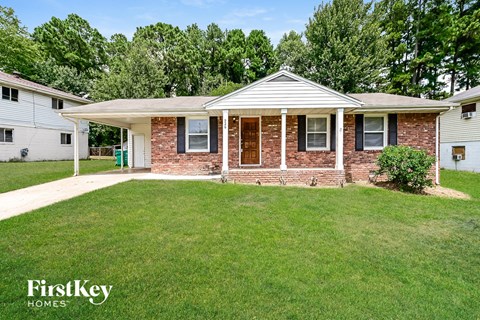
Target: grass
[[17, 175], [201, 250], [467, 182]]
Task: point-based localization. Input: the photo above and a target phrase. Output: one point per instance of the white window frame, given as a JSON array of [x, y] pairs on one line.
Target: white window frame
[[10, 94], [58, 103], [187, 134], [385, 131], [66, 144], [326, 116], [13, 136]]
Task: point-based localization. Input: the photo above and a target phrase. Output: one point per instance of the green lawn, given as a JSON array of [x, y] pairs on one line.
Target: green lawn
[[202, 250], [467, 182], [17, 175]]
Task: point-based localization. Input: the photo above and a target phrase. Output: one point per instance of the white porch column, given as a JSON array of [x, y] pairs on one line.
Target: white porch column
[[225, 142], [121, 148], [339, 142], [130, 148], [76, 153], [283, 163]]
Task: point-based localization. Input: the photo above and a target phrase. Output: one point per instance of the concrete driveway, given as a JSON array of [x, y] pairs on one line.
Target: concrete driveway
[[20, 201]]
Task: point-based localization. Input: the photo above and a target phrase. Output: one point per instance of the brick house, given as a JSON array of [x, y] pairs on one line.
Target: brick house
[[280, 128]]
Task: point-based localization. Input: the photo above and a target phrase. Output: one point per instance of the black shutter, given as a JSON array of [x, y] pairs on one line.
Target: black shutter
[[333, 132], [392, 129], [358, 132], [181, 135], [213, 134], [302, 132]]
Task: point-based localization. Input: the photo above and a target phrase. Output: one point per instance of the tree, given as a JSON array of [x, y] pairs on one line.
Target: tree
[[348, 52], [64, 78], [292, 53], [140, 76], [463, 45], [226, 88], [74, 43], [175, 50], [18, 52], [259, 55], [234, 58]]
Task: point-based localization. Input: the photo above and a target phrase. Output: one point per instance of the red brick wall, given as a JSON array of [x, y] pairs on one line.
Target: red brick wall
[[271, 143], [325, 177], [165, 158], [414, 129]]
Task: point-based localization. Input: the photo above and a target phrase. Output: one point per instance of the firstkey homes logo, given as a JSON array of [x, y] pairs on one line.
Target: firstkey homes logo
[[54, 295]]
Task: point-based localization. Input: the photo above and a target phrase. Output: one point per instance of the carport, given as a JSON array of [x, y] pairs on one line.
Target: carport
[[133, 115]]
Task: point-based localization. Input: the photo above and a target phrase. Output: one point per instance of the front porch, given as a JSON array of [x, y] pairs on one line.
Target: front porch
[[299, 176]]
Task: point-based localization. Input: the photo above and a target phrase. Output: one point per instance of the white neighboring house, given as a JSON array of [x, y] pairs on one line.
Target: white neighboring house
[[460, 133], [30, 129]]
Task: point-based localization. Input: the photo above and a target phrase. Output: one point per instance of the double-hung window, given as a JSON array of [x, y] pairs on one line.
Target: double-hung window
[[6, 135], [65, 138], [375, 137], [317, 133], [57, 104], [197, 135], [9, 94]]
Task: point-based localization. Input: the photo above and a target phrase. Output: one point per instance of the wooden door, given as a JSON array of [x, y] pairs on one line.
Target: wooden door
[[250, 144]]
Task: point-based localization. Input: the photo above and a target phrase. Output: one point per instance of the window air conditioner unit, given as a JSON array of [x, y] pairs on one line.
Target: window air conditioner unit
[[457, 157], [468, 115]]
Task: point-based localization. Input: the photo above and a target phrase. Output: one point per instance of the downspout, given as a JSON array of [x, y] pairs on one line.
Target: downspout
[[437, 146]]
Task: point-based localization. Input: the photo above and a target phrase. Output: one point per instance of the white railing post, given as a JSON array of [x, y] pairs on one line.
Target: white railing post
[[121, 148], [225, 142], [339, 142], [76, 153], [283, 163]]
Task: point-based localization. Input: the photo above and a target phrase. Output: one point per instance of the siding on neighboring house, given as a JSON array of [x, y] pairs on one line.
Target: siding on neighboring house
[[458, 132], [37, 127], [454, 128]]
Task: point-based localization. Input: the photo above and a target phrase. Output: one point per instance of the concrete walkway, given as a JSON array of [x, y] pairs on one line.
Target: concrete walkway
[[20, 201], [24, 200]]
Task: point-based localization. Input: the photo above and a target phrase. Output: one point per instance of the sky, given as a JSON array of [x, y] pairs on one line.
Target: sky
[[122, 16]]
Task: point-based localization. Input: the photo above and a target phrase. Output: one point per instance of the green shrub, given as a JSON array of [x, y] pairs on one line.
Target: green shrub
[[406, 167]]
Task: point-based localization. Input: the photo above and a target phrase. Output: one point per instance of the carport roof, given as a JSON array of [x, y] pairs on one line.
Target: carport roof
[[142, 107]]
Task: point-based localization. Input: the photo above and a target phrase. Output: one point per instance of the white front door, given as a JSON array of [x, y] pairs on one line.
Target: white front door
[[138, 151]]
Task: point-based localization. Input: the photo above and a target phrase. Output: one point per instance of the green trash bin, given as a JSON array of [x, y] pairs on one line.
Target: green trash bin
[[118, 156]]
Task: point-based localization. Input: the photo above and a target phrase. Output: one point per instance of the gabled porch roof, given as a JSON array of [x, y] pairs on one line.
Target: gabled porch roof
[[283, 89]]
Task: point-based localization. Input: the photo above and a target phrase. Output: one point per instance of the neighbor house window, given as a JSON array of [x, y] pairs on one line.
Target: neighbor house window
[[374, 131], [6, 135], [472, 107], [9, 94], [317, 131], [57, 103], [459, 150], [65, 138], [197, 129]]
